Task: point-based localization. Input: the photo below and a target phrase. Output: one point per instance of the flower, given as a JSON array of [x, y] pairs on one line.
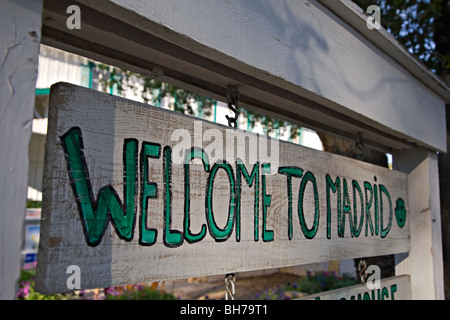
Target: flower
[[24, 290]]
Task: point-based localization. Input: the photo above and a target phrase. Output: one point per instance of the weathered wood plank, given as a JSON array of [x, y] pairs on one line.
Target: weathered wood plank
[[20, 29], [212, 215], [394, 288]]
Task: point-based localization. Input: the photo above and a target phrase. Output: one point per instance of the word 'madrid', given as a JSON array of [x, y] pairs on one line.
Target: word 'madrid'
[[370, 210]]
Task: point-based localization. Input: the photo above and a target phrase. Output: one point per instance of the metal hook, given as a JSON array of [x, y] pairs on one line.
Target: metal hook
[[362, 270], [230, 279], [233, 101], [359, 146]]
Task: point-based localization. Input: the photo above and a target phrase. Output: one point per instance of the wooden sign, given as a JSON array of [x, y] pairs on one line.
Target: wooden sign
[[394, 288], [134, 193]]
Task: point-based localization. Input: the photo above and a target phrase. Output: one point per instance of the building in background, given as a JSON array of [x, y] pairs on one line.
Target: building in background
[[59, 66]]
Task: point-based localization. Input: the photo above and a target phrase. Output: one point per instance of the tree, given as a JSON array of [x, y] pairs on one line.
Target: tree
[[422, 26], [153, 91]]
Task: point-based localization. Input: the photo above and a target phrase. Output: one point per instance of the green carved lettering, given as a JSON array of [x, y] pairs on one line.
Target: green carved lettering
[[190, 155], [309, 233], [368, 205], [95, 214], [385, 231], [393, 291], [216, 232], [149, 190], [346, 209], [356, 188], [290, 172], [335, 187], [172, 238], [267, 201], [252, 179]]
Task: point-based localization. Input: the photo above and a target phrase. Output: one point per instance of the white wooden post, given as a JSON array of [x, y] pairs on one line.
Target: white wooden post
[[20, 28], [424, 263]]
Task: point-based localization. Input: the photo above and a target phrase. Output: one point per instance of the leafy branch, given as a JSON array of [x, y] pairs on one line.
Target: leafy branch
[[153, 91], [422, 26]]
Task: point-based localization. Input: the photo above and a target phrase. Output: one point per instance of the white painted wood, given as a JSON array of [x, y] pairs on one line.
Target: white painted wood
[[106, 121], [356, 17], [301, 47], [394, 288], [425, 262], [20, 29]]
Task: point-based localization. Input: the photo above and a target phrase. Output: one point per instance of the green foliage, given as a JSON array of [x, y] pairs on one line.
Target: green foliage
[[183, 99], [154, 91], [27, 292], [422, 26], [137, 292], [112, 77], [134, 292], [34, 204], [270, 124], [311, 284], [322, 281], [273, 294]]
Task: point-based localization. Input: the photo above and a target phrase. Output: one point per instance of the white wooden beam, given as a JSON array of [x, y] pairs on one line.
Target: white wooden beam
[[425, 260], [295, 59], [311, 52], [356, 17], [20, 25]]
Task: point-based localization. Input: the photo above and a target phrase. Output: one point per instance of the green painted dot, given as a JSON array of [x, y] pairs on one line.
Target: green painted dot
[[400, 212]]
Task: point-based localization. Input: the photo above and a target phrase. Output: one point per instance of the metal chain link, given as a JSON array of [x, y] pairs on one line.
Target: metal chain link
[[359, 146], [233, 105], [230, 280], [362, 270]]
